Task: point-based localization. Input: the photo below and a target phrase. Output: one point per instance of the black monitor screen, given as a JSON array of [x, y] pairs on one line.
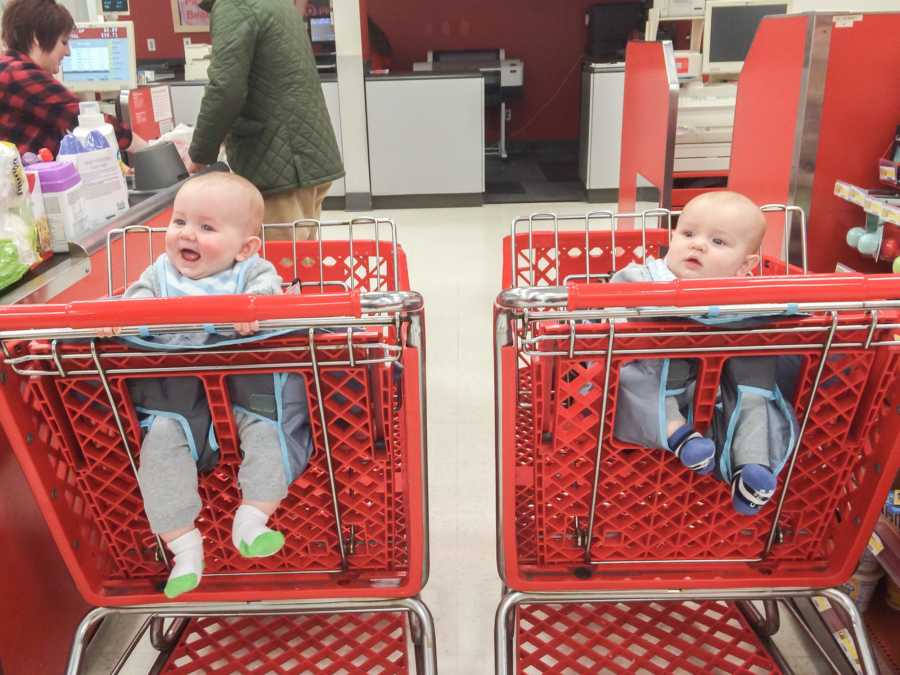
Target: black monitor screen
[[120, 6], [321, 29], [732, 29], [610, 26]]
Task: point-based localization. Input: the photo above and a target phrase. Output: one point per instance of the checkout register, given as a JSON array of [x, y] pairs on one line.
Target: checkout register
[[503, 79], [706, 109]]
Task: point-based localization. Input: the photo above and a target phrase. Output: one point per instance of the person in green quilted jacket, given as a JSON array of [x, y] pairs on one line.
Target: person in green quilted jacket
[[264, 101]]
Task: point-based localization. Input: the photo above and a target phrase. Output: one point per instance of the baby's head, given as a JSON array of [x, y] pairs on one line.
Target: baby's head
[[718, 235], [215, 223]]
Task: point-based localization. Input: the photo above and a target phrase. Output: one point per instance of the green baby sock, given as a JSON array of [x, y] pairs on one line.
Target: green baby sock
[[250, 535], [187, 569]]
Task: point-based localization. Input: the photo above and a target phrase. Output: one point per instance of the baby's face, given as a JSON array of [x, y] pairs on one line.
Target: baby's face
[[209, 231], [712, 242]]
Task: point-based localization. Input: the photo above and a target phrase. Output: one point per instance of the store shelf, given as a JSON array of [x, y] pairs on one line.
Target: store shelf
[[885, 544], [881, 623], [837, 626], [876, 202], [880, 620]]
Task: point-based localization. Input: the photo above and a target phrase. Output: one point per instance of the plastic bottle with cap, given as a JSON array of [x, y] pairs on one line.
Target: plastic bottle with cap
[[853, 236], [89, 119], [870, 242]]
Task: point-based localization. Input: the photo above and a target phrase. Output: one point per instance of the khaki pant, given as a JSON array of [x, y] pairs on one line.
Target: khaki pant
[[296, 204]]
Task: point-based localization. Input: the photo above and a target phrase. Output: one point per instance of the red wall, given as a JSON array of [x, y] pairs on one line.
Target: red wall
[[548, 36], [153, 19]]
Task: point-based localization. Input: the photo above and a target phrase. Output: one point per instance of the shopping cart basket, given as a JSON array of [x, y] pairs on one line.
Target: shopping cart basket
[[585, 517], [355, 520]]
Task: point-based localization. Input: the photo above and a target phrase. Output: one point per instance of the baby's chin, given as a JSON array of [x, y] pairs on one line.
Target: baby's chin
[[194, 270], [191, 273], [197, 271], [682, 272]]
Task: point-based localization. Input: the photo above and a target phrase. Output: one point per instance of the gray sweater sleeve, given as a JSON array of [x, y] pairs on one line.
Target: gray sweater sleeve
[[631, 273], [145, 287], [263, 279]]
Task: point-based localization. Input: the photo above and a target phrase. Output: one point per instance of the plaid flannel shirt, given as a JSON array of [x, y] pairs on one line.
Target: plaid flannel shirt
[[36, 110]]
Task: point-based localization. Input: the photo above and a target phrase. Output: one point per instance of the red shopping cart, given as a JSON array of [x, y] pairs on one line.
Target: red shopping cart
[[342, 591], [599, 539]]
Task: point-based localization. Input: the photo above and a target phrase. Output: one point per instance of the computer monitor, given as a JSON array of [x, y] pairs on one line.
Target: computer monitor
[[321, 29], [113, 7], [728, 30], [610, 27], [102, 57]]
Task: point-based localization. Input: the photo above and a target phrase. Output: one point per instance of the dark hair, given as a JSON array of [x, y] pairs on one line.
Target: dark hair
[[25, 20]]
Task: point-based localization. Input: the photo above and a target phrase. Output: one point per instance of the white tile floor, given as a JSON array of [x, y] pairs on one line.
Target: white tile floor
[[454, 261]]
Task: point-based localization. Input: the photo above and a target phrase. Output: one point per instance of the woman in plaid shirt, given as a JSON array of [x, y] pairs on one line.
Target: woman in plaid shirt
[[35, 109]]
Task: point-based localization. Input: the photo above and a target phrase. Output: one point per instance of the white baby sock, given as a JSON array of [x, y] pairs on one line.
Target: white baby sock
[[188, 566], [250, 535]]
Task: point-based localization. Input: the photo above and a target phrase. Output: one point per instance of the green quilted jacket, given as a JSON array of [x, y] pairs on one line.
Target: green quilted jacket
[[264, 98]]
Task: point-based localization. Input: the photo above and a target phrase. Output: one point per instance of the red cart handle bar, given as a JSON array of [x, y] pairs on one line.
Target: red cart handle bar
[[811, 288], [224, 309]]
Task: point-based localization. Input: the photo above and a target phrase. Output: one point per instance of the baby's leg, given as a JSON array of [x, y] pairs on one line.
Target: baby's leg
[[674, 419], [263, 485], [695, 452], [168, 481], [753, 483]]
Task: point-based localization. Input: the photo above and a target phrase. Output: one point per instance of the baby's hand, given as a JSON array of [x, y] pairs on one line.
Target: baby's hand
[[246, 328], [108, 332]]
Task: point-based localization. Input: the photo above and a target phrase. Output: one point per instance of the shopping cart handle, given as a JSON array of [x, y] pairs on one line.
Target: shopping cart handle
[[194, 310], [811, 288]]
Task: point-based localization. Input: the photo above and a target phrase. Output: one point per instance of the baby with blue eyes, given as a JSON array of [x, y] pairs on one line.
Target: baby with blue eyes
[[211, 248], [718, 235]]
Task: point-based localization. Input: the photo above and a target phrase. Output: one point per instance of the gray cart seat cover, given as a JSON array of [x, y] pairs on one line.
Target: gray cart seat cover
[[753, 421], [279, 398]]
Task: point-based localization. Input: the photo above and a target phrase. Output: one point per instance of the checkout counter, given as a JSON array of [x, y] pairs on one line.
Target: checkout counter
[[86, 259], [186, 98], [600, 144], [503, 80], [425, 131], [426, 134], [43, 606]]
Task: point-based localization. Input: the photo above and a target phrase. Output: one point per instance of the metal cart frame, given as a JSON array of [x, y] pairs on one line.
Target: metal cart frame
[[551, 310], [355, 313]]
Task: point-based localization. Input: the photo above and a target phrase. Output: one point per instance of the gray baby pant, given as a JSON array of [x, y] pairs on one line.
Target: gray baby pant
[[168, 473]]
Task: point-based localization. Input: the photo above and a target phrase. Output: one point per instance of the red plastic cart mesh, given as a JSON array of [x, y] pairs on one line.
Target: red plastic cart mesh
[[526, 534], [657, 523], [536, 261], [79, 447], [73, 455], [371, 267], [637, 639], [355, 644]]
